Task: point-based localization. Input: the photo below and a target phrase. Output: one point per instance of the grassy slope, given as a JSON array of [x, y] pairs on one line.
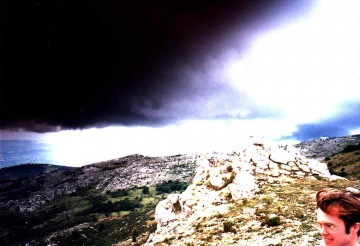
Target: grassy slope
[[345, 163], [293, 204]]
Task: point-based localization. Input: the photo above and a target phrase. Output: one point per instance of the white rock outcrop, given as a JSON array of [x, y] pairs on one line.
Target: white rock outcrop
[[222, 179]]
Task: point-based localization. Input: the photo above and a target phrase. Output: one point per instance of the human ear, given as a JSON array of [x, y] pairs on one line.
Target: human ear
[[356, 227]]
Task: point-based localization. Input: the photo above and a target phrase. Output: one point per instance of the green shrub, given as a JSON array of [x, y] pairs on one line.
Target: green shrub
[[145, 190], [119, 193], [102, 207], [273, 221], [170, 186], [134, 234], [229, 227]]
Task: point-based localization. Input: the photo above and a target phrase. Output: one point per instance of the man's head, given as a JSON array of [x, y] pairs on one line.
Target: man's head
[[338, 216]]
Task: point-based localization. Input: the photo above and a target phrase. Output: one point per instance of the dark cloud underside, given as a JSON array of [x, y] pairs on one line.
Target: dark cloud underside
[[83, 63], [336, 126]]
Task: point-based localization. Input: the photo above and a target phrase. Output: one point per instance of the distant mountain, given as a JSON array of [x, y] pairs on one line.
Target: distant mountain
[[325, 146], [341, 154], [29, 170]]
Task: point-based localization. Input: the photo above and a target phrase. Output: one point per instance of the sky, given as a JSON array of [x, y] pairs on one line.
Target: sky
[[166, 77]]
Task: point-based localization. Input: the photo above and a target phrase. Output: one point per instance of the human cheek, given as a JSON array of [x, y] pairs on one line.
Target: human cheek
[[327, 237], [329, 241]]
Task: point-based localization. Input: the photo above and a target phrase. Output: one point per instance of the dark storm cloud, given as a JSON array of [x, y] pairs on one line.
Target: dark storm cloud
[[77, 64], [33, 126], [337, 126]]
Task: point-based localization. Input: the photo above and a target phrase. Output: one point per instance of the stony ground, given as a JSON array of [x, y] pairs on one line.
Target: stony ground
[[260, 196], [282, 215]]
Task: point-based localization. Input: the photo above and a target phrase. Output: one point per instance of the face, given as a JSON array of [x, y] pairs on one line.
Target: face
[[333, 230]]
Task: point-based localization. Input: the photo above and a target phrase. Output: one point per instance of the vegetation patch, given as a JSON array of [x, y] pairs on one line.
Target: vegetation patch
[[108, 217], [171, 186], [345, 163]]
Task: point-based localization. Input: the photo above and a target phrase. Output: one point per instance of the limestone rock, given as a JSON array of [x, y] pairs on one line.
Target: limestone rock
[[222, 180]]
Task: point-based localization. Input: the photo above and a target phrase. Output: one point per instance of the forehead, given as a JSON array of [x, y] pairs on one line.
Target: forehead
[[327, 218]]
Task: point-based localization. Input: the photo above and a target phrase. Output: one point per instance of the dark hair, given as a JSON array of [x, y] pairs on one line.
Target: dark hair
[[340, 204]]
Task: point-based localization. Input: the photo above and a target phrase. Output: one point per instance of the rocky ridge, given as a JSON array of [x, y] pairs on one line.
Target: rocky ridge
[[326, 146], [122, 173], [227, 204], [131, 171]]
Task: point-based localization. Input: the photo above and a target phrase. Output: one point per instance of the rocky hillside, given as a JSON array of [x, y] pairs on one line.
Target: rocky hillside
[[325, 146], [262, 195], [341, 154], [95, 204], [122, 173]]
